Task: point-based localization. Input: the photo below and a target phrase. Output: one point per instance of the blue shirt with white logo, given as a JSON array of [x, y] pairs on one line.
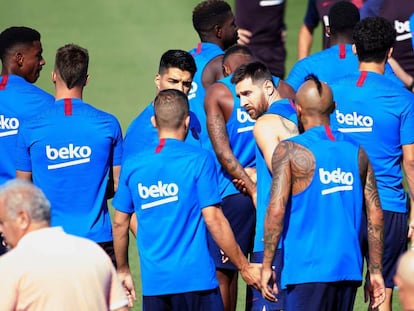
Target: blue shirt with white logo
[[329, 65], [284, 108], [19, 100], [69, 148], [168, 186], [380, 116], [323, 221], [141, 132]]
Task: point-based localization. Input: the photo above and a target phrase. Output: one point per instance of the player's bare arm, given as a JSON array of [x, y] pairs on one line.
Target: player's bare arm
[[121, 243], [220, 229], [408, 165], [213, 71], [218, 104], [269, 130]]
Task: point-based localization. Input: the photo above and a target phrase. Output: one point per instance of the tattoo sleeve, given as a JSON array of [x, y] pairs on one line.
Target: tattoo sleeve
[[375, 220]]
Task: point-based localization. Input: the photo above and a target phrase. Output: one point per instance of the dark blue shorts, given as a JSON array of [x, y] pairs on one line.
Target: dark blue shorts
[[207, 300], [338, 296], [254, 298], [108, 247], [395, 242], [3, 248], [241, 214]]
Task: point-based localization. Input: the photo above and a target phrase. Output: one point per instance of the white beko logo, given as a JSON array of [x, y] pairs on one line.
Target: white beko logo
[[243, 117], [166, 193], [403, 30], [74, 154], [193, 91], [340, 181], [9, 126], [354, 121]]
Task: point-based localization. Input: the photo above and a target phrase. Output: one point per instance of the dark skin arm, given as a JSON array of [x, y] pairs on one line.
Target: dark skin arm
[[213, 71], [218, 104], [285, 90]]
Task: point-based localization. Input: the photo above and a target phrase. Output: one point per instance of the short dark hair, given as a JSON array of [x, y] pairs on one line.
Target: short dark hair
[[170, 108], [15, 35], [208, 14], [257, 71], [236, 49], [314, 78], [373, 37], [343, 16], [177, 59], [71, 63]]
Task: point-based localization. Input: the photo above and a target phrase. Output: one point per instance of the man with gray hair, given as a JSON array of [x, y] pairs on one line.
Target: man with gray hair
[[44, 269]]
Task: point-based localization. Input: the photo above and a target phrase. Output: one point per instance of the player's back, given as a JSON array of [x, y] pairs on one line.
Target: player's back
[[69, 149], [19, 100]]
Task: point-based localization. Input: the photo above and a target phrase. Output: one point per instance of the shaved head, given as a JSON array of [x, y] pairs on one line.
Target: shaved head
[[315, 97]]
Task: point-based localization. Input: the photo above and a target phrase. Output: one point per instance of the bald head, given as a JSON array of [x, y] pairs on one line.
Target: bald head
[[315, 97]]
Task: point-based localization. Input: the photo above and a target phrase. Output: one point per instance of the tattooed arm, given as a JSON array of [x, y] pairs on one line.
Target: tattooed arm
[[280, 191], [218, 105], [375, 288]]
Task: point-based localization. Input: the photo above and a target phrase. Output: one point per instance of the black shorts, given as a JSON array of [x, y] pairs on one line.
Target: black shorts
[[108, 247], [338, 296], [206, 300], [254, 298], [241, 214]]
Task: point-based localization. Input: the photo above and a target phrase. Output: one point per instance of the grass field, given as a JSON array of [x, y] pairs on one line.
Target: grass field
[[125, 40]]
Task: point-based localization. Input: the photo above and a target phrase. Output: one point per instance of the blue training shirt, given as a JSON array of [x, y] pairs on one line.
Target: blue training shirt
[[19, 101], [322, 223], [168, 191], [69, 148], [380, 116]]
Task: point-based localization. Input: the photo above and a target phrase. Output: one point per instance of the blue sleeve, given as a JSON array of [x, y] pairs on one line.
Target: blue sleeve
[[407, 122], [23, 160], [297, 74], [122, 200], [207, 183], [311, 19], [412, 29]]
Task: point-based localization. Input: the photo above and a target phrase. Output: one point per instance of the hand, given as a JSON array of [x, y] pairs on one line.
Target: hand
[[240, 185], [244, 36], [251, 274], [128, 284], [251, 172], [374, 290], [269, 287]]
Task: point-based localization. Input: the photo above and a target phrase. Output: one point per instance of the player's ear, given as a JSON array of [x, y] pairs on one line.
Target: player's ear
[[153, 121], [157, 81], [53, 76], [226, 70], [354, 50], [390, 52], [268, 88], [187, 122], [87, 80]]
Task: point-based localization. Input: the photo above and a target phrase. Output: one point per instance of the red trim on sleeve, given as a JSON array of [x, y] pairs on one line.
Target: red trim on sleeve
[[3, 82], [329, 132], [160, 145], [68, 106], [362, 78], [342, 51]]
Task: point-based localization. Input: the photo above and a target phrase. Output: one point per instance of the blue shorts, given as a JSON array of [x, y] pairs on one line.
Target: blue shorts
[[254, 298], [206, 300], [395, 243], [338, 296], [241, 214]]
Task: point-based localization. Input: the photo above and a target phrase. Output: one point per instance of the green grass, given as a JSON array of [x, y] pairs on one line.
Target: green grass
[[125, 40]]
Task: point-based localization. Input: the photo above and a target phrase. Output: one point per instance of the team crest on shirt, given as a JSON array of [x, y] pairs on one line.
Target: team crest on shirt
[[8, 126], [335, 181], [353, 122], [157, 194], [68, 156]]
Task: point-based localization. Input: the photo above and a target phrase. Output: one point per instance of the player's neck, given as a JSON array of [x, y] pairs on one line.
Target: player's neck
[[179, 135], [372, 67], [63, 92]]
